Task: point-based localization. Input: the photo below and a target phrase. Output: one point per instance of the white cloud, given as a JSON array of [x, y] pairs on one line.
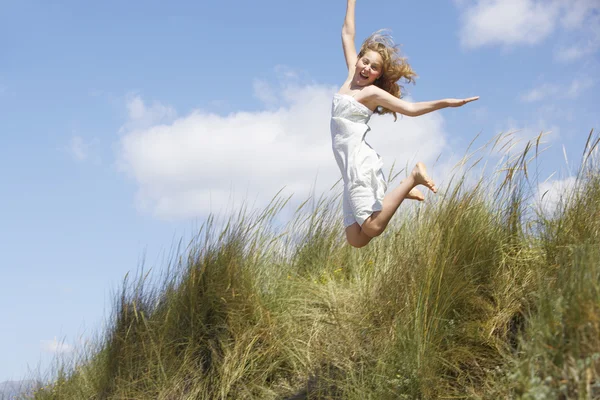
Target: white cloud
[[54, 346], [203, 162], [552, 193], [528, 22], [507, 22]]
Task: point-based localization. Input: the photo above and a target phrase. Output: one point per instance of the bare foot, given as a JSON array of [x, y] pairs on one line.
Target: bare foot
[[415, 194], [420, 176]]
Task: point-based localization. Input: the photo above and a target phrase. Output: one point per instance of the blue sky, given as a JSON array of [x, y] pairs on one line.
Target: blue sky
[[123, 124]]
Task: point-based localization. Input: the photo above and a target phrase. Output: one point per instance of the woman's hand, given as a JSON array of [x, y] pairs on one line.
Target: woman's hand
[[460, 102]]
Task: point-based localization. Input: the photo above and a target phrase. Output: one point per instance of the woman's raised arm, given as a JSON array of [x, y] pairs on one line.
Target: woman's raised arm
[[348, 34]]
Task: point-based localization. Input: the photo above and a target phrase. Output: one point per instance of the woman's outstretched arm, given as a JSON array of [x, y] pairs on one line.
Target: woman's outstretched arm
[[348, 35], [378, 97]]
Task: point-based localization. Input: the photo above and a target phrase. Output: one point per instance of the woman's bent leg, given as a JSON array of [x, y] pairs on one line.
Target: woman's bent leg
[[378, 221], [356, 237]]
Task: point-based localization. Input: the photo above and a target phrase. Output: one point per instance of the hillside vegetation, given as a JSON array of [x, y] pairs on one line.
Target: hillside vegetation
[[474, 294]]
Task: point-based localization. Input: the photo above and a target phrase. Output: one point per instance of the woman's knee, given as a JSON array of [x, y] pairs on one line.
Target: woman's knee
[[356, 243], [356, 238]]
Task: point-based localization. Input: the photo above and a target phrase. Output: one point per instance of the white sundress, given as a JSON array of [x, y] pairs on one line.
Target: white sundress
[[360, 165]]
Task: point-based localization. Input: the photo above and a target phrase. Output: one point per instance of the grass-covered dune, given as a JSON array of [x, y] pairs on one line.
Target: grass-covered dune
[[474, 293]]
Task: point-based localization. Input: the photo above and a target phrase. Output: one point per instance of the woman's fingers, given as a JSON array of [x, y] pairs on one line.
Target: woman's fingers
[[462, 102]]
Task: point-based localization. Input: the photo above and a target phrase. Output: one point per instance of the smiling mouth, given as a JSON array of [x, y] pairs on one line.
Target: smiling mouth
[[363, 76]]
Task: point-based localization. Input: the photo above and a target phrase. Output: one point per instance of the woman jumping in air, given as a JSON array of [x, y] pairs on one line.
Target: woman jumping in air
[[372, 87]]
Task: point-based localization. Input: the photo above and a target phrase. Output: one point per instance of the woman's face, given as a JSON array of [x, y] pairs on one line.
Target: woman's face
[[369, 67]]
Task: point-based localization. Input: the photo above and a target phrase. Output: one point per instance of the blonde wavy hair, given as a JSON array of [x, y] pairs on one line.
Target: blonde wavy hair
[[394, 68]]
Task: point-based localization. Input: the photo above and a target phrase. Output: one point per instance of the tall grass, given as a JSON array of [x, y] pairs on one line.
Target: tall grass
[[473, 294]]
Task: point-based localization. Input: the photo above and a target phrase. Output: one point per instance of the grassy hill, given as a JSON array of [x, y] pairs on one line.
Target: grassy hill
[[472, 294]]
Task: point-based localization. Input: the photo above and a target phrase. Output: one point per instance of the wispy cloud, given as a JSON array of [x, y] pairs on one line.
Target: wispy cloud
[[82, 150], [576, 51], [586, 26], [78, 148], [264, 92], [55, 346], [553, 91], [142, 116], [541, 92], [578, 86]]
